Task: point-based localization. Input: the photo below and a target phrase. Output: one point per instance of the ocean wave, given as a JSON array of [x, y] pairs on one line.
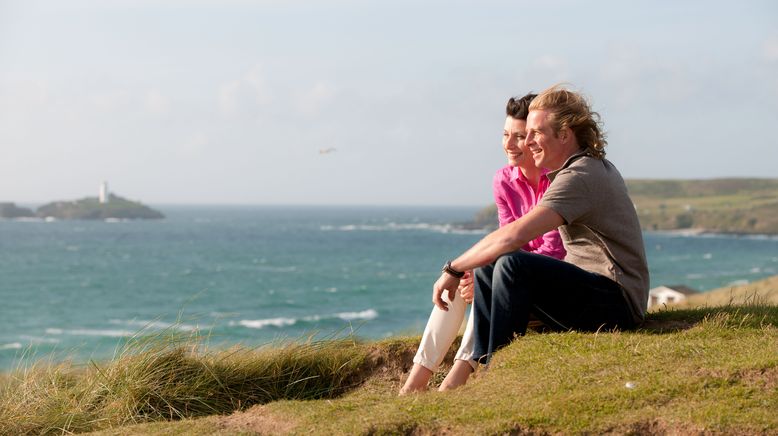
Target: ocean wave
[[29, 219], [222, 314], [39, 340], [395, 227], [761, 237], [91, 332], [11, 346], [351, 316], [276, 269], [281, 322], [262, 323], [154, 325], [461, 231], [703, 234]]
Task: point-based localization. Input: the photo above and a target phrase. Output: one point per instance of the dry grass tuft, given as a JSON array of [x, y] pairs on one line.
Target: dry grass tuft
[[164, 377]]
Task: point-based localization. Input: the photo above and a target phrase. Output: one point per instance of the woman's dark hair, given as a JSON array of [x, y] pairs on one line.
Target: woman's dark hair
[[518, 108]]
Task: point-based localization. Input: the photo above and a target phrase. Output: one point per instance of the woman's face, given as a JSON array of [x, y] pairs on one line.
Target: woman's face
[[513, 135]]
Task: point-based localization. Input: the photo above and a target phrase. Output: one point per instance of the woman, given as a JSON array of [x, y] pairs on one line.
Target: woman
[[518, 187]]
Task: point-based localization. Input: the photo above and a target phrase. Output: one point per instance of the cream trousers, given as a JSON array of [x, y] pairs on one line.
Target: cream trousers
[[442, 328]]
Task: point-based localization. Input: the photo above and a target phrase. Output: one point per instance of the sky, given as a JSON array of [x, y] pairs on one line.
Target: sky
[[231, 102]]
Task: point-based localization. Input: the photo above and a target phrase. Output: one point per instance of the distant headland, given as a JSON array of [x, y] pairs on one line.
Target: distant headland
[[105, 206]]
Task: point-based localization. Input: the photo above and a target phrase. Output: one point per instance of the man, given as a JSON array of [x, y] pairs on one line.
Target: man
[[603, 281]]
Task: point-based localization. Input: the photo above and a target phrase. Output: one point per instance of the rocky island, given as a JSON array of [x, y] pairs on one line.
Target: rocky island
[[89, 208], [10, 210]]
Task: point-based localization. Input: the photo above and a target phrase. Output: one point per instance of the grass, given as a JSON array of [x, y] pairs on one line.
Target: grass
[[761, 292], [167, 377], [683, 369], [701, 370], [686, 379]]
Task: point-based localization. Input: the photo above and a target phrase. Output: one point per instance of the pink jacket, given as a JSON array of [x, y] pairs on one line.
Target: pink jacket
[[515, 197]]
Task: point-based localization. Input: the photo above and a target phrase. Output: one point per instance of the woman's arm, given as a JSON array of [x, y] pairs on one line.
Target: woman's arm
[[504, 214]]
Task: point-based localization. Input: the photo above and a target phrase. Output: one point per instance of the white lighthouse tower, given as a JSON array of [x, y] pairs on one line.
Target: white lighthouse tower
[[103, 196]]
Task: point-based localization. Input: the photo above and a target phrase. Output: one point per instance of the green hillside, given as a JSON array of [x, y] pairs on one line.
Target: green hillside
[[763, 291], [716, 205]]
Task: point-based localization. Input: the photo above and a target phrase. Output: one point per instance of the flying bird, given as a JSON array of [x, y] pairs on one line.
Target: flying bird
[[327, 150]]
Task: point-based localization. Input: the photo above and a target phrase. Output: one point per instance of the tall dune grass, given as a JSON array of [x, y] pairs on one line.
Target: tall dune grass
[[164, 377]]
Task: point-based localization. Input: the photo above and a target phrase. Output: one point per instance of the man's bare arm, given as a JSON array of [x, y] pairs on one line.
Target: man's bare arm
[[504, 240], [509, 238]]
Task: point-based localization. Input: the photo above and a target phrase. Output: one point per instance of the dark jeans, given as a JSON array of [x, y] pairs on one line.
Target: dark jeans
[[558, 293]]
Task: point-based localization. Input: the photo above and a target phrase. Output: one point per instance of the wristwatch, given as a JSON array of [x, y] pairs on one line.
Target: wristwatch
[[451, 271]]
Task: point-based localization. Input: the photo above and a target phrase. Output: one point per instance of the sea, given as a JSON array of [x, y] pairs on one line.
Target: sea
[[258, 276]]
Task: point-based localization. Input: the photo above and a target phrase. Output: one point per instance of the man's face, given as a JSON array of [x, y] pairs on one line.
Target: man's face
[[547, 149], [513, 135]]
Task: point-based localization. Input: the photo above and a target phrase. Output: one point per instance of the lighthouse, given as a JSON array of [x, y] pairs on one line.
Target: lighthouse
[[103, 195]]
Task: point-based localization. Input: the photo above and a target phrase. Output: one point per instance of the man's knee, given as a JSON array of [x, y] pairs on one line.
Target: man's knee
[[509, 264], [483, 274]]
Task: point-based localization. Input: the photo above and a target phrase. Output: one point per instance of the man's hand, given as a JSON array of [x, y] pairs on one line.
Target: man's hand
[[466, 287], [446, 283]]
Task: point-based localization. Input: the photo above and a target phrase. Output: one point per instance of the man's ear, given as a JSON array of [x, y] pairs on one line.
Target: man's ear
[[564, 134]]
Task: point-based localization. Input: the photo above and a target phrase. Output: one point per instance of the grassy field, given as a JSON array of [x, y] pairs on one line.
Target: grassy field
[[763, 291], [719, 205], [711, 370]]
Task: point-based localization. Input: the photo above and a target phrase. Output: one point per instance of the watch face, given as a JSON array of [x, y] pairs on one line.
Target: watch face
[[447, 269]]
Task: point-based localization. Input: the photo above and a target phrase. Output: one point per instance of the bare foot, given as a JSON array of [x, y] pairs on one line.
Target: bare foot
[[417, 380], [458, 375]]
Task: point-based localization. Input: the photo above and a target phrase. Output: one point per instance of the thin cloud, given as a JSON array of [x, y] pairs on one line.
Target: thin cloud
[[641, 77], [156, 103], [256, 81], [110, 100], [24, 93], [194, 145], [245, 93], [228, 97], [312, 101], [551, 68], [770, 49]]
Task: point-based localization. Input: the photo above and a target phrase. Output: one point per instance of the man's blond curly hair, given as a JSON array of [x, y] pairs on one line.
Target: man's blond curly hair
[[570, 109]]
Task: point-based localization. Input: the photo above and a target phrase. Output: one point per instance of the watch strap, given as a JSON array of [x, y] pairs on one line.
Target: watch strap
[[451, 271]]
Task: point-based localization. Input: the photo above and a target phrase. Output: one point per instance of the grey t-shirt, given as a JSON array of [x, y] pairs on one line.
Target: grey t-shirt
[[601, 232]]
